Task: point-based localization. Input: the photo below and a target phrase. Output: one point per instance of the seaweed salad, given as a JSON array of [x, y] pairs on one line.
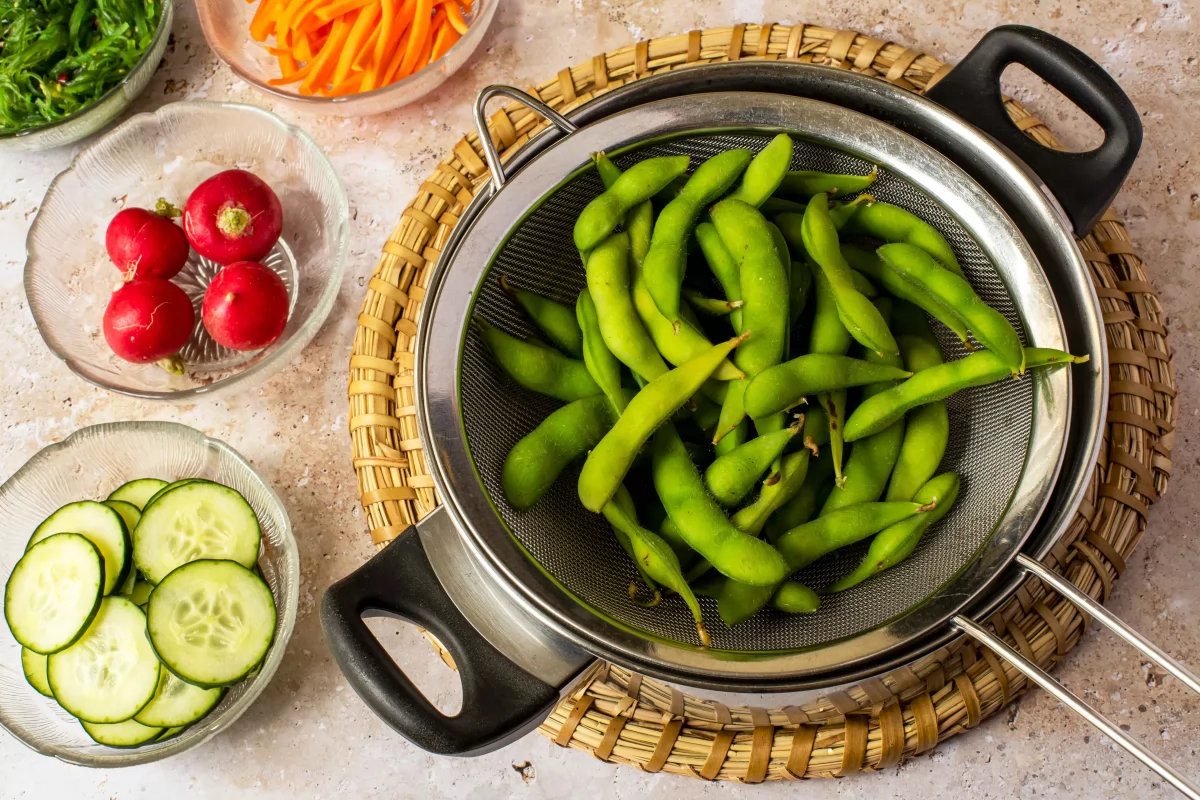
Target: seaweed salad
[[58, 56]]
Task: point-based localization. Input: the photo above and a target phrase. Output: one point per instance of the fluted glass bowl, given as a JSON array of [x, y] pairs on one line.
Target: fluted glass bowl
[[226, 26], [69, 278], [89, 464], [99, 114]]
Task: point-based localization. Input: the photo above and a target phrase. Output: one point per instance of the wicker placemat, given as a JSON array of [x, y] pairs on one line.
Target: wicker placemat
[[619, 716]]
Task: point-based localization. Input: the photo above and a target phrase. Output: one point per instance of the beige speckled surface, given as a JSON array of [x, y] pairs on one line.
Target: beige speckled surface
[[309, 735]]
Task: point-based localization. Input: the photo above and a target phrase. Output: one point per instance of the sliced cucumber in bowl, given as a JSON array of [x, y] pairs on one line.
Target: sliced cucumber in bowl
[[54, 592], [111, 673], [137, 492], [198, 520], [129, 733], [174, 485], [178, 703], [34, 666], [211, 622], [102, 526]]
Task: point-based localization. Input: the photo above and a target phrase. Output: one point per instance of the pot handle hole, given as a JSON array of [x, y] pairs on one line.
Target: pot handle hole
[[501, 701], [1083, 183]]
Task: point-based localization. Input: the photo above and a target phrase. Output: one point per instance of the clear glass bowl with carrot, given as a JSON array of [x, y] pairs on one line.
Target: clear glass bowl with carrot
[[345, 57]]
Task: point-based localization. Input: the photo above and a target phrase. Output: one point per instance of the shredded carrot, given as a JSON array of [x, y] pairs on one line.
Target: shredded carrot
[[454, 12], [340, 8], [303, 49], [263, 23], [367, 53], [447, 35], [366, 19], [327, 58], [349, 86], [420, 33]]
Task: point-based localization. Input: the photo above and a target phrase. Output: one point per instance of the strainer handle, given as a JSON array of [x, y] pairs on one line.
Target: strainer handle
[[1083, 183], [501, 702], [490, 154], [1109, 620]]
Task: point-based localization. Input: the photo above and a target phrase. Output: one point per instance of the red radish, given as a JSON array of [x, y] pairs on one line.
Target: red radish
[[149, 320], [145, 244], [245, 306], [233, 216]]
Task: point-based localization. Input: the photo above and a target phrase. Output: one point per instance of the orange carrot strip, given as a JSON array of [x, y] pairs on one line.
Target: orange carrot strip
[[303, 49], [366, 20], [287, 63], [387, 21], [339, 8], [393, 50], [349, 86], [446, 38], [327, 58], [423, 56], [388, 75], [454, 12], [367, 53], [283, 23], [419, 37], [292, 77], [263, 22]]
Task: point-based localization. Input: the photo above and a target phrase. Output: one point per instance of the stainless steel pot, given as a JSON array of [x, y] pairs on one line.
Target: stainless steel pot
[[512, 602]]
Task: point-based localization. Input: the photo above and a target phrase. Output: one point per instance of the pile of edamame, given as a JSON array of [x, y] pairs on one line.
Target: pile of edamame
[[719, 466]]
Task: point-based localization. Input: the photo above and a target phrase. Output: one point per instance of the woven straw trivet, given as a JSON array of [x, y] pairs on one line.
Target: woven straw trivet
[[617, 715]]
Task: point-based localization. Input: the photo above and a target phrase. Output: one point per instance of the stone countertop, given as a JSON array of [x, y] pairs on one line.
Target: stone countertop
[[309, 735]]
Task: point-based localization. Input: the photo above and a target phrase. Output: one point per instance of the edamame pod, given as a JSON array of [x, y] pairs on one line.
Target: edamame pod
[[867, 261], [897, 542], [639, 220], [709, 305], [803, 184], [608, 462], [657, 557], [806, 543], [793, 469], [638, 184], [536, 461], [539, 369], [941, 381], [864, 285], [808, 498], [723, 266], [800, 286], [733, 413], [764, 283], [778, 205], [667, 260], [671, 535], [857, 313], [765, 172], [989, 326], [738, 436], [927, 427], [601, 364], [834, 406], [895, 224], [731, 476], [737, 602], [785, 385], [702, 524], [793, 597], [553, 319], [608, 278]]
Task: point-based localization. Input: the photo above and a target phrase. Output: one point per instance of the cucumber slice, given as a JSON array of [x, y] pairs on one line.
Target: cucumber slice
[[171, 733], [174, 485], [178, 703], [122, 734], [130, 515], [34, 666], [102, 526], [54, 592], [111, 673], [141, 593], [211, 622], [137, 492], [200, 520]]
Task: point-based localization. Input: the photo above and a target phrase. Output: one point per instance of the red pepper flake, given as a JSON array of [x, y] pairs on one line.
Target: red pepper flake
[[62, 78]]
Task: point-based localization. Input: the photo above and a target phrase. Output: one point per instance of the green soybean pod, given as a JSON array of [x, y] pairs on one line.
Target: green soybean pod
[[806, 543], [677, 342], [764, 283], [639, 221], [552, 318], [737, 602], [735, 438], [723, 267], [674, 539], [538, 368], [537, 460], [800, 287], [609, 282], [733, 413], [667, 260], [941, 381], [803, 184], [638, 184], [625, 502], [656, 556], [989, 326], [807, 500], [785, 385], [834, 406], [857, 313], [788, 480], [601, 364], [867, 261], [793, 597], [765, 172], [927, 427], [611, 458], [895, 224], [897, 542], [710, 306], [702, 523], [779, 205], [863, 285], [828, 334], [707, 413], [731, 476]]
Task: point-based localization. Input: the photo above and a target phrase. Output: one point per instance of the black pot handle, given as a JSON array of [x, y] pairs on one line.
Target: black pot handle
[[1083, 183], [501, 701]]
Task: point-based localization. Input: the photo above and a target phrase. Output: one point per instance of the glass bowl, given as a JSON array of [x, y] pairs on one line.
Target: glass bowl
[[110, 105], [69, 278], [226, 26], [90, 463]]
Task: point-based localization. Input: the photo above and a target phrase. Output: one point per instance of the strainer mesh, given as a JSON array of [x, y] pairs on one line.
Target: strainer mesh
[[989, 436]]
